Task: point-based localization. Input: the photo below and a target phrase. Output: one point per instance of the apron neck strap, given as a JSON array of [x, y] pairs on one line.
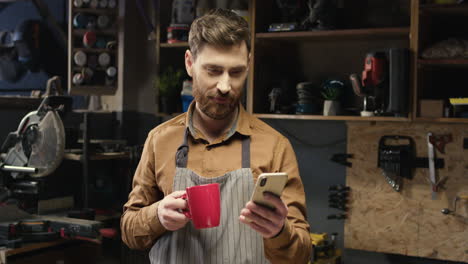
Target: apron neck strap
[[182, 152]]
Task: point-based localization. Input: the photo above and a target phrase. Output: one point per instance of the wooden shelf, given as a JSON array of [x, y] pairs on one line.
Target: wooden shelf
[[98, 156], [94, 50], [98, 11], [20, 102], [441, 62], [81, 32], [174, 45], [334, 118], [28, 247], [349, 34], [92, 89], [449, 9], [442, 120]]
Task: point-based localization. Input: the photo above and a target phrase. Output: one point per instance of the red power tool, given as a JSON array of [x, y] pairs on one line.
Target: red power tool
[[373, 78]]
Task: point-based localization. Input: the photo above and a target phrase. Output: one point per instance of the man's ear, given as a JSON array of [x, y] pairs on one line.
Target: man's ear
[[189, 62], [248, 61]]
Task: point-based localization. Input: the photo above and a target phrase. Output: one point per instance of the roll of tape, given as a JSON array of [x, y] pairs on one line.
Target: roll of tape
[[104, 59], [80, 58]]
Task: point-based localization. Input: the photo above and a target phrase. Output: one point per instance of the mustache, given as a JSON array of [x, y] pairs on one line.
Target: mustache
[[221, 95]]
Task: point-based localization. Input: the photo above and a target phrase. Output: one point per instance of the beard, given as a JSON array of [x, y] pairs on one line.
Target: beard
[[212, 109]]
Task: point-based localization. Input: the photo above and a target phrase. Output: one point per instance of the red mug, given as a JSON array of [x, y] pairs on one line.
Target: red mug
[[203, 205]]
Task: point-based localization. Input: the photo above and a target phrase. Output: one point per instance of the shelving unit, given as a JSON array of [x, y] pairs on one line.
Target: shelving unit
[[94, 78], [314, 56], [438, 78]]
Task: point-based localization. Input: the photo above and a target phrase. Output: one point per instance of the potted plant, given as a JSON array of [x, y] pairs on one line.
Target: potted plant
[[331, 92], [168, 85]]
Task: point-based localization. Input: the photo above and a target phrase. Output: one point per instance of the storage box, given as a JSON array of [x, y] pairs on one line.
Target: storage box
[[431, 108]]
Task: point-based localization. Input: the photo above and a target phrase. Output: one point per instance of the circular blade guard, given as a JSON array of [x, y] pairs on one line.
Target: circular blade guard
[[47, 152]]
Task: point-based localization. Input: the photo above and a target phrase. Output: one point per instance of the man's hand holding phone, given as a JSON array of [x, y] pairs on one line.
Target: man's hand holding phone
[[266, 213]]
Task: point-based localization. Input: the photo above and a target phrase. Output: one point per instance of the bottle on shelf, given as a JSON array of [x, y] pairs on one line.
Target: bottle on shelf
[[88, 75], [89, 39], [103, 3], [91, 24], [112, 4], [80, 20], [111, 44], [78, 3], [101, 43], [104, 59], [80, 58], [86, 3], [94, 4], [103, 21], [111, 74], [78, 79]]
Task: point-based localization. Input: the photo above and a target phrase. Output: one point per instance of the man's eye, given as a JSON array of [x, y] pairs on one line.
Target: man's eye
[[213, 71], [236, 73]]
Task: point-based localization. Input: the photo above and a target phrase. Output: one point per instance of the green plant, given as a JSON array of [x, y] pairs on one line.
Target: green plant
[[332, 90], [169, 82]]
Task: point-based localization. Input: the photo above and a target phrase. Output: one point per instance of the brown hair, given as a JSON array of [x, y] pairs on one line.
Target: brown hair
[[219, 27]]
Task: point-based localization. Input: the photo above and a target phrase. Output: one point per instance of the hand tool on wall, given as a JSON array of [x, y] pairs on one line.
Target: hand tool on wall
[[395, 159], [439, 141], [337, 216], [432, 172], [455, 201], [337, 198]]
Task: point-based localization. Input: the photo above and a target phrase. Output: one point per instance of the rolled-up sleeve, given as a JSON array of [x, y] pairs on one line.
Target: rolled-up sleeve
[[139, 223]]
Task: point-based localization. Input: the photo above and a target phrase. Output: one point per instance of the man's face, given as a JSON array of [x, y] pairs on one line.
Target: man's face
[[218, 76]]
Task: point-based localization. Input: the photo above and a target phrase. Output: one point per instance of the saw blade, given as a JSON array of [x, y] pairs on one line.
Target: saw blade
[[48, 149]]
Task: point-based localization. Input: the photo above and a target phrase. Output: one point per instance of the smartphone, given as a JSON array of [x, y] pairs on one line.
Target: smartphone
[[269, 182]]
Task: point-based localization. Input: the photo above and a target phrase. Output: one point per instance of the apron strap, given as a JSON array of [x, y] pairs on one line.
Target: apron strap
[[246, 152], [182, 152]]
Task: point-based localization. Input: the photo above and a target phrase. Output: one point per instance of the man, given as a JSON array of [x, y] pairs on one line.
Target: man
[[216, 141]]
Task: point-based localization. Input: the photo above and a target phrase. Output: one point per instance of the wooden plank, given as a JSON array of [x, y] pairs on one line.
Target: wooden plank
[[461, 62], [89, 89], [338, 34], [36, 246], [414, 54], [20, 102], [336, 118], [408, 222], [174, 45], [251, 75]]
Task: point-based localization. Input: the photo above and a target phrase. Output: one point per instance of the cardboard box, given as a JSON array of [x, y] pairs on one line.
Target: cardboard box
[[431, 108]]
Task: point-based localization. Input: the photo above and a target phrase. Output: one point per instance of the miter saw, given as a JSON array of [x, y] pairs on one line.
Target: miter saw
[[37, 147]]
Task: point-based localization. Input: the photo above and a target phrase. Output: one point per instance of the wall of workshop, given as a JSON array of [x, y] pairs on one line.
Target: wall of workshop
[[314, 141]]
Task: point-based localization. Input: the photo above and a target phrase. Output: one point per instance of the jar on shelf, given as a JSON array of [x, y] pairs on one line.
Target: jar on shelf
[[80, 58], [89, 39]]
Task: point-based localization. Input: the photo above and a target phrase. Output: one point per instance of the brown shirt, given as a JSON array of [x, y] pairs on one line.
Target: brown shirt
[[270, 152]]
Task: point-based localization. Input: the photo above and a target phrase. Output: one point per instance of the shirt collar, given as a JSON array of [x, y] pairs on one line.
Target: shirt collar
[[241, 126]]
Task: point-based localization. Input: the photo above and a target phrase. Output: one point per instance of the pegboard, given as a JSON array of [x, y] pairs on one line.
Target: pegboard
[[408, 222]]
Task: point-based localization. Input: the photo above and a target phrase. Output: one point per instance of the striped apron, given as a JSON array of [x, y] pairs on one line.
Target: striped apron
[[231, 241]]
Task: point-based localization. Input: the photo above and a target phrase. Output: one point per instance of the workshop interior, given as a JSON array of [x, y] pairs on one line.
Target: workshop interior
[[372, 94]]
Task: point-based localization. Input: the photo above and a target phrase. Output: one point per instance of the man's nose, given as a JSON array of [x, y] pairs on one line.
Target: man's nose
[[224, 84]]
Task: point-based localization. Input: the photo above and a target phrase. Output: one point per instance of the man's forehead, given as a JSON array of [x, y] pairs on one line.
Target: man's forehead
[[209, 52]]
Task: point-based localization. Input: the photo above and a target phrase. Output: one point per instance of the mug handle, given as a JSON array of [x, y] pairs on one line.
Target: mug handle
[[186, 212]]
